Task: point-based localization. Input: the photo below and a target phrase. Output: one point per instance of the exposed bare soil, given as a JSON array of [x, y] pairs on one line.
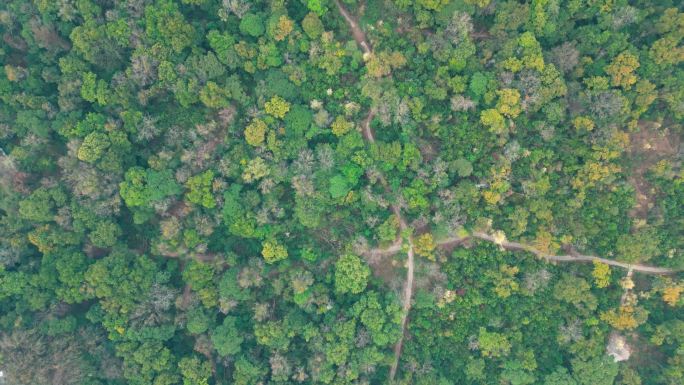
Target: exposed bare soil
[[647, 147]]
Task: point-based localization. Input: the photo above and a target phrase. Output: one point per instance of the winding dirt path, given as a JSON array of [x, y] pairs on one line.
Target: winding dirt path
[[574, 257], [366, 130], [406, 308], [360, 38], [357, 32]]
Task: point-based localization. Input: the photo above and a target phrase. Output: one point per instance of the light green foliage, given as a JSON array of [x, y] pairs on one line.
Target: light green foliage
[[514, 373], [478, 83], [252, 25], [200, 276], [213, 96], [200, 187], [277, 107], [319, 7], [165, 24], [463, 167], [246, 373], [298, 120], [504, 280], [638, 247], [387, 231], [474, 370], [71, 268], [119, 280], [148, 360], [255, 170], [194, 371], [340, 126], [105, 234], [377, 320], [575, 290], [493, 120], [273, 252], [198, 321], [424, 246], [339, 186], [255, 132], [493, 344], [40, 205], [351, 274], [273, 335], [312, 25], [93, 147], [189, 192], [94, 90], [223, 45]]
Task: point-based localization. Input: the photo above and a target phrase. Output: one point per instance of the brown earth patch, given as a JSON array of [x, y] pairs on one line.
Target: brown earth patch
[[648, 146], [385, 268], [644, 353]]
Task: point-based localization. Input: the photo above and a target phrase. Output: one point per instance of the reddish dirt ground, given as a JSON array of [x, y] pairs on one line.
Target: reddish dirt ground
[[647, 147]]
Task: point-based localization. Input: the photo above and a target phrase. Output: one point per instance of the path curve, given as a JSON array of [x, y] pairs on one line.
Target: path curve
[[357, 32], [573, 257], [361, 40], [406, 308], [367, 132]]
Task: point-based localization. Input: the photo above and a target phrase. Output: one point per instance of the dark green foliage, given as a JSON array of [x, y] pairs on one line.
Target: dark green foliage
[[228, 191], [226, 338], [143, 187]]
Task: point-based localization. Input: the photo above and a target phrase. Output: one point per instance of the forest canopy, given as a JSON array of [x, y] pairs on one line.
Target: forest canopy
[[271, 192]]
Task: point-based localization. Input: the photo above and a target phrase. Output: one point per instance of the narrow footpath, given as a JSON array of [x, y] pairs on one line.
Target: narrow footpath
[[360, 38]]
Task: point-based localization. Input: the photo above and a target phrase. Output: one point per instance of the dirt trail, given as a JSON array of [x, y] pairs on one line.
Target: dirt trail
[[572, 257], [361, 40], [406, 308], [357, 32], [576, 257], [367, 132], [650, 144], [410, 264]]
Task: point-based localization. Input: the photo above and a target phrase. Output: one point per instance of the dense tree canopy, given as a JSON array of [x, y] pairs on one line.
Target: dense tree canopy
[[341, 192]]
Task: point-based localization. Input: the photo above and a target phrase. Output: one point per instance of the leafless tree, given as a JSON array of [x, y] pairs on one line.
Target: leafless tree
[[148, 129], [153, 309], [280, 367], [47, 37], [237, 7], [607, 104], [565, 56], [570, 332], [261, 311], [304, 164], [326, 157], [226, 115], [624, 16], [537, 280], [29, 358], [461, 103], [459, 28]]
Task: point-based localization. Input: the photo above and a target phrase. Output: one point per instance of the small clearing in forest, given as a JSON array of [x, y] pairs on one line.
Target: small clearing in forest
[[651, 144]]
